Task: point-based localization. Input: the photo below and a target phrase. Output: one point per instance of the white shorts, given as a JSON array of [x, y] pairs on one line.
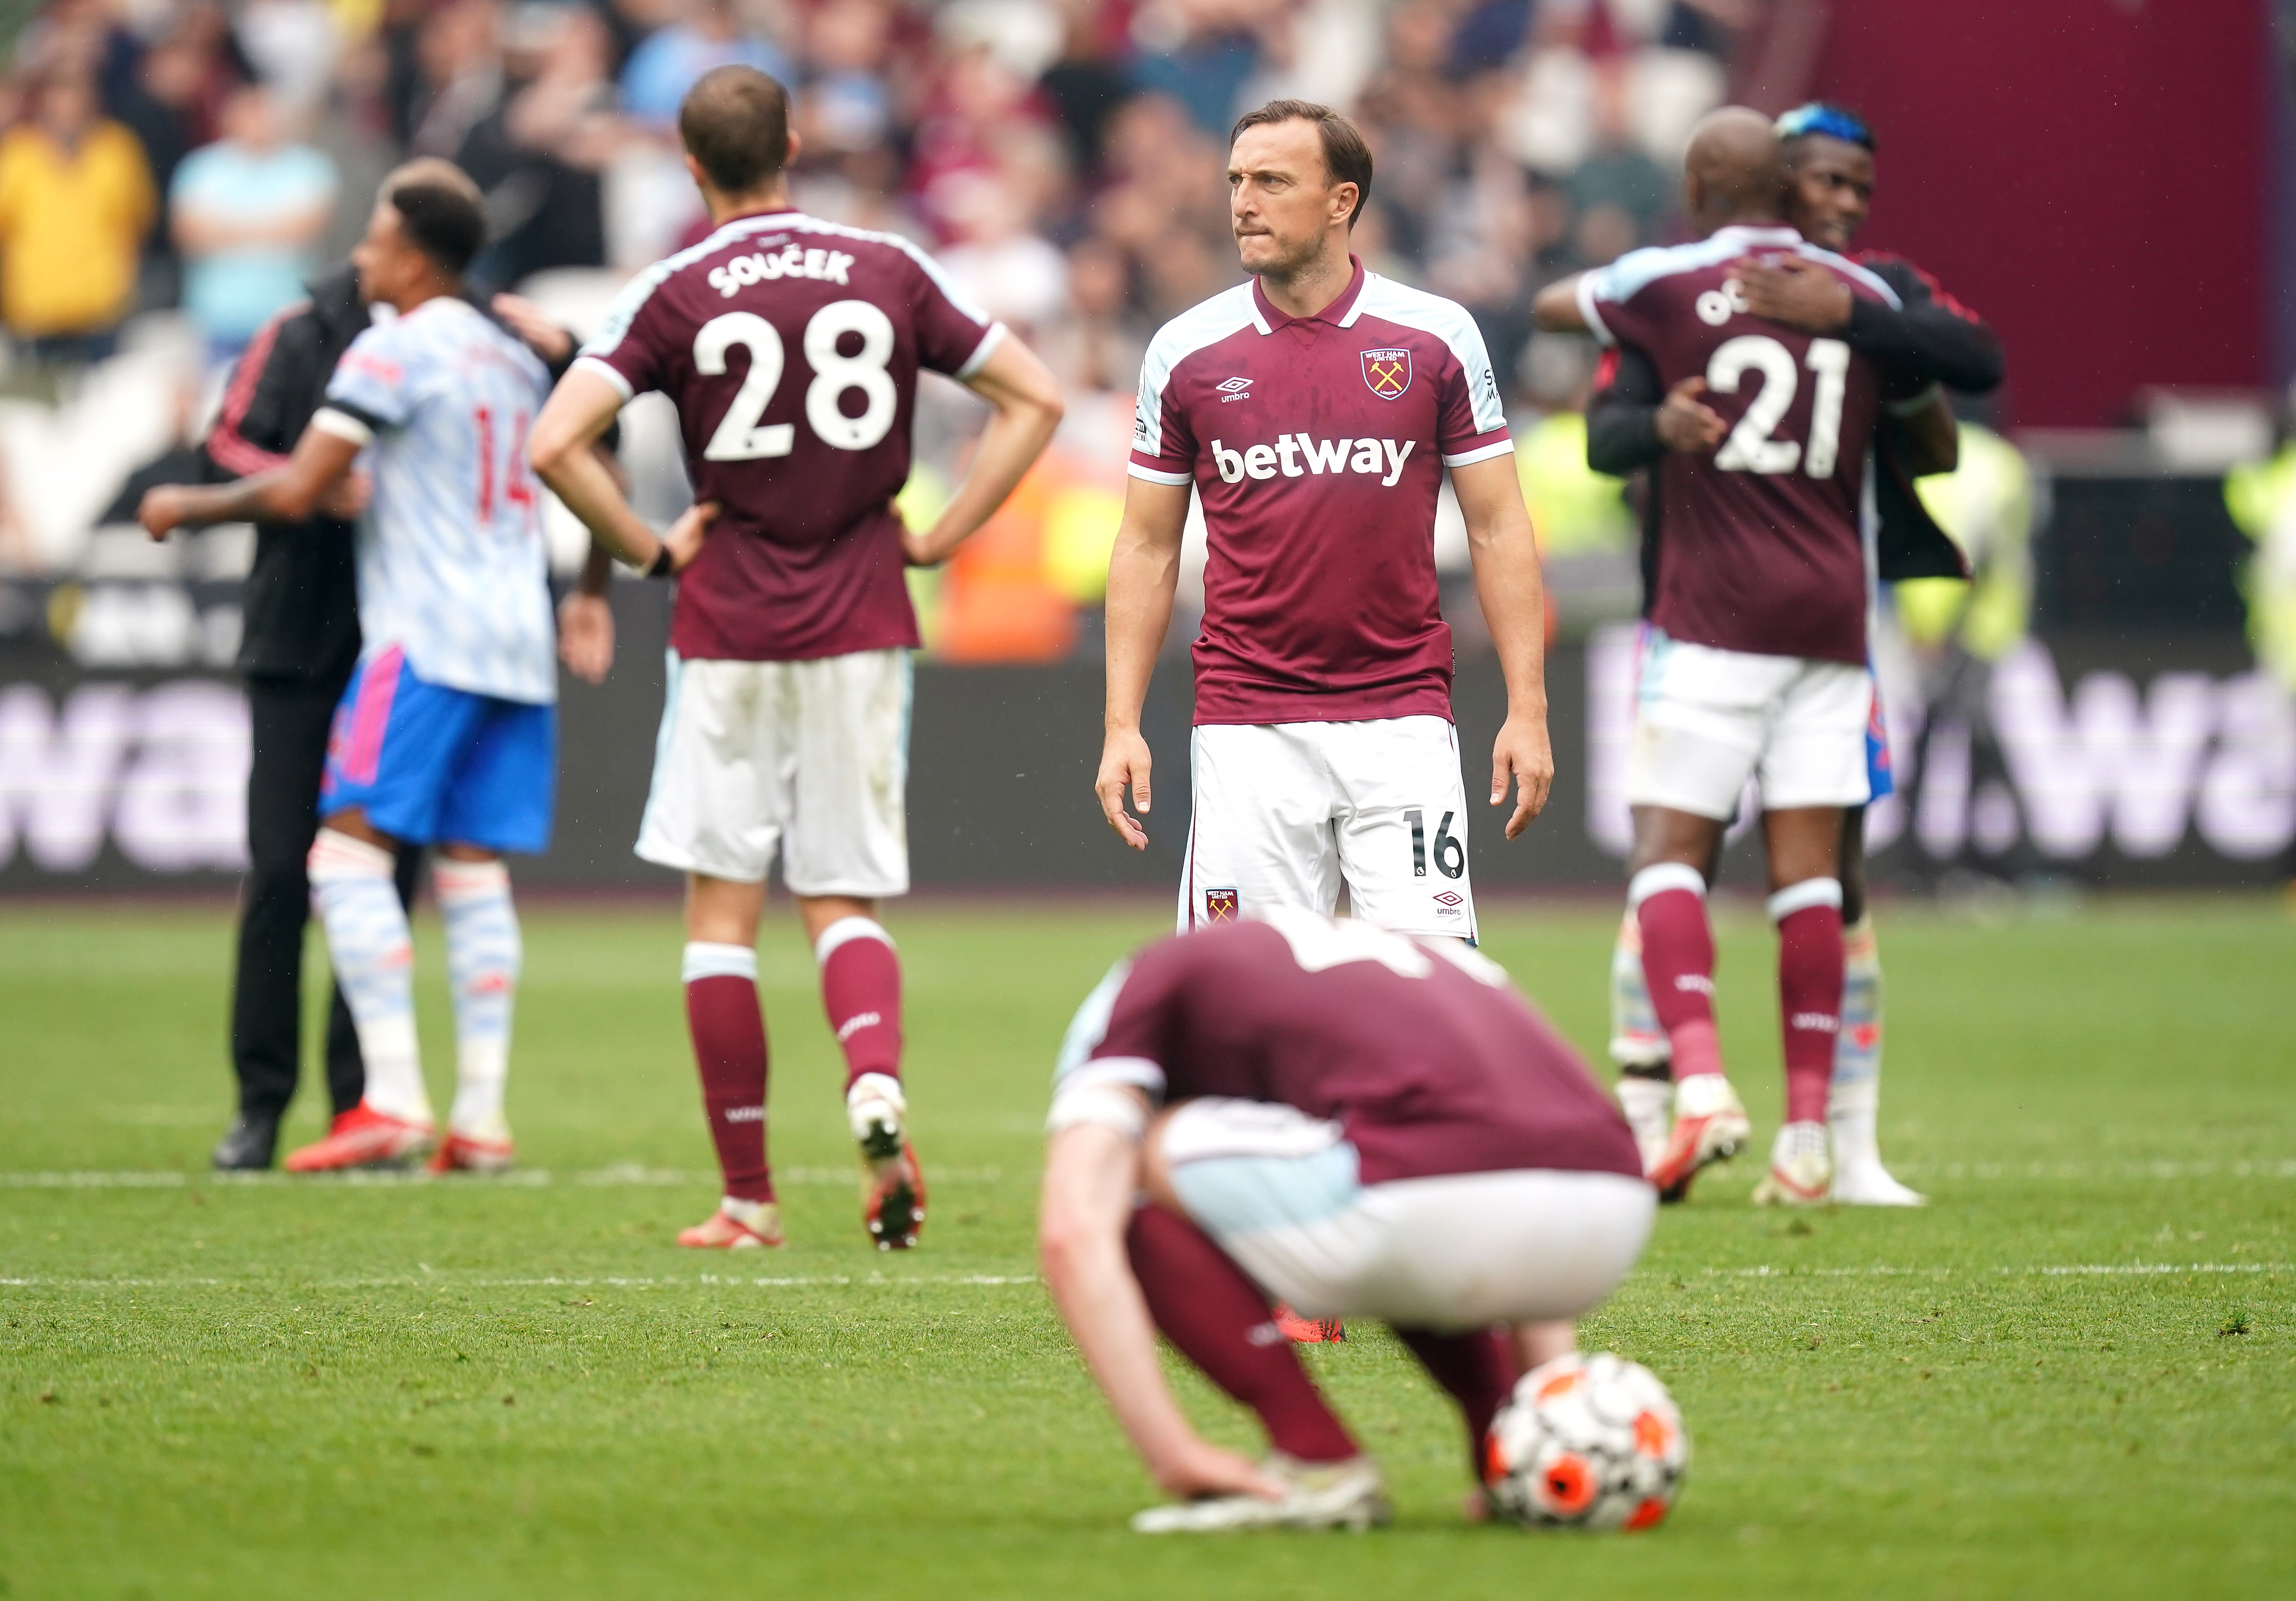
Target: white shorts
[[1706, 720], [1283, 812], [809, 758], [1279, 1191]]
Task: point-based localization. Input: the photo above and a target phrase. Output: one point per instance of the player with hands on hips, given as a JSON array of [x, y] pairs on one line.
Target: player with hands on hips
[[791, 348], [1316, 411]]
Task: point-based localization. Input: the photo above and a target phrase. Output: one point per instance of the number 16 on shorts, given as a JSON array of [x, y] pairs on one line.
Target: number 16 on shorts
[[1450, 855]]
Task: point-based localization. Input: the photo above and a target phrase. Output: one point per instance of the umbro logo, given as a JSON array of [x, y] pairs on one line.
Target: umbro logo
[[1450, 898], [1235, 388]]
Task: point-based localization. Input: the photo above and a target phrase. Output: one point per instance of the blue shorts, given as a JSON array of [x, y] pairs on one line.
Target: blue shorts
[[432, 765], [1880, 777]]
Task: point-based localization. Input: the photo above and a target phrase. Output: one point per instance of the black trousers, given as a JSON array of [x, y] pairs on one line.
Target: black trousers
[[289, 725]]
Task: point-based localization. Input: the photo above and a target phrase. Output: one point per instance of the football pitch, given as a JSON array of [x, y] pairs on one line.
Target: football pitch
[[2073, 1374]]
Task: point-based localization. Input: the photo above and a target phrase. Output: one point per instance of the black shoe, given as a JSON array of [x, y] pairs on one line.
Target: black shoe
[[247, 1146]]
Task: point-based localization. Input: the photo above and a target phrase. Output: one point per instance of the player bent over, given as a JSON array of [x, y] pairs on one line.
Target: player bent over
[[791, 347], [447, 732], [1358, 1122]]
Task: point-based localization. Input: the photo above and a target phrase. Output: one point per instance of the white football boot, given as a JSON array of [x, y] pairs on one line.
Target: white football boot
[[1860, 1178], [1350, 1494], [1801, 1171]]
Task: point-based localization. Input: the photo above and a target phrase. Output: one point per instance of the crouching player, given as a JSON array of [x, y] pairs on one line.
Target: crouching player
[[1353, 1121]]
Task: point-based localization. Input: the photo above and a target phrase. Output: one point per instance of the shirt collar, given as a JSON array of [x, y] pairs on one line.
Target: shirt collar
[[1335, 314], [1757, 233]]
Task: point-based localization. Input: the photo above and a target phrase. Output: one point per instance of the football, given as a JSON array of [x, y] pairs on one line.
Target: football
[[1587, 1442]]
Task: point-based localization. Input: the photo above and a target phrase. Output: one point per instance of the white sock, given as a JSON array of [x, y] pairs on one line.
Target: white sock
[[1649, 1105], [483, 957], [1636, 1039], [374, 957], [1853, 1097]]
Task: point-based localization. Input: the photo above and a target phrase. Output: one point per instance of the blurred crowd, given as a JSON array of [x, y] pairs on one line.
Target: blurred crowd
[[198, 160]]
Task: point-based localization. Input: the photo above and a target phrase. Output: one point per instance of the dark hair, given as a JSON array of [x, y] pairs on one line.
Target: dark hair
[[444, 223], [734, 121], [1346, 157]]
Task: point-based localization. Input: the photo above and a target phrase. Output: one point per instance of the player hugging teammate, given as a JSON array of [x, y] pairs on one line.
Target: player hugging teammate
[[1767, 509], [791, 347]]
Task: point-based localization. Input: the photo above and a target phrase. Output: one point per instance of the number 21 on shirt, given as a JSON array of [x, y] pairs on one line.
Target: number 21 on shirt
[[1751, 448], [741, 438]]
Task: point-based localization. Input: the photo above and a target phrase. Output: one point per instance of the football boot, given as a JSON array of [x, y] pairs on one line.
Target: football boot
[[735, 1225], [892, 1184], [363, 1138], [1350, 1495], [1801, 1170], [1709, 1126]]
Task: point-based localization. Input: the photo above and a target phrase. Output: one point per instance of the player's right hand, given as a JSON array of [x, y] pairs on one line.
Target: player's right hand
[[1124, 763], [1197, 1468], [686, 535], [1686, 425], [161, 512]]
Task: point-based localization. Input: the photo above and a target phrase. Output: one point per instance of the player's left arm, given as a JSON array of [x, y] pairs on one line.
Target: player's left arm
[[1514, 606], [1025, 408], [1091, 1175], [312, 477], [1938, 340]]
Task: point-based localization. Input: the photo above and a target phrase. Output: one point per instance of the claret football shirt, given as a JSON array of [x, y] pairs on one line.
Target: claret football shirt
[[1317, 446], [1423, 1054], [1763, 551], [791, 347]]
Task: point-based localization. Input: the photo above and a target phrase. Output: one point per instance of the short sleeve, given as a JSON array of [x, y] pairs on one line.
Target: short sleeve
[[370, 386], [953, 336], [1609, 297], [628, 349], [1470, 419], [1163, 442], [1119, 1036]]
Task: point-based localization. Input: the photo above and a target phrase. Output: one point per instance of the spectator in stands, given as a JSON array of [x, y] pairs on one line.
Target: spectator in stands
[[248, 211], [540, 155], [711, 34], [75, 202]]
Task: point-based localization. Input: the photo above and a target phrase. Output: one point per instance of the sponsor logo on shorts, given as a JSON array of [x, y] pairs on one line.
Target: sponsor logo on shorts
[[1818, 1022], [1387, 373], [1450, 898], [1219, 905]]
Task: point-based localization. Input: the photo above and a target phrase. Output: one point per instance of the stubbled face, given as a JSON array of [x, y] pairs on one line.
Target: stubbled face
[[1281, 200], [1829, 189], [388, 262]]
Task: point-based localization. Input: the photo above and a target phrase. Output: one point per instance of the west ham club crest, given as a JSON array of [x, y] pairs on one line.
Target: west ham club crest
[[1219, 905], [1387, 373]]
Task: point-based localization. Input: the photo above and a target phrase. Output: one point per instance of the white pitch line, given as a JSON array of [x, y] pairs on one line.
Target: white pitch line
[[431, 1279], [618, 1177], [448, 1281]]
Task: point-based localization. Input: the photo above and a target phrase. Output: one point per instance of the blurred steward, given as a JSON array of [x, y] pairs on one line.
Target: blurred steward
[[2262, 499], [1587, 532], [248, 211], [75, 202]]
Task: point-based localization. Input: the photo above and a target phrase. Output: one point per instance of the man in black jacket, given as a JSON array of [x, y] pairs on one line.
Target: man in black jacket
[[299, 642]]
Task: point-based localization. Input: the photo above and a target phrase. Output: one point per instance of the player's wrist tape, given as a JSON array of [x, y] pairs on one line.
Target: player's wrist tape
[[1111, 1105], [663, 563]]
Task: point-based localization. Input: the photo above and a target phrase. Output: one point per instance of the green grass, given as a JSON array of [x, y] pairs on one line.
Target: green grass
[[492, 1389]]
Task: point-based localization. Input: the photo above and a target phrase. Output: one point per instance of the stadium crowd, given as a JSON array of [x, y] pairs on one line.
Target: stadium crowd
[[174, 170]]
